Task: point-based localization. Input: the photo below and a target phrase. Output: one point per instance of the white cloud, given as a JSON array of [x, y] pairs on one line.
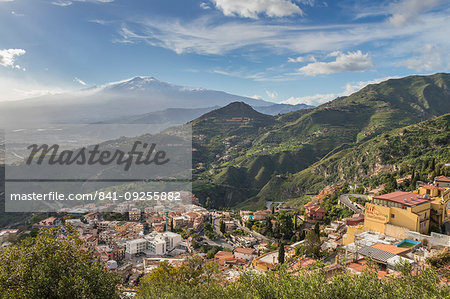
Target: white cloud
[[205, 5], [22, 87], [429, 58], [350, 62], [240, 74], [62, 3], [6, 0], [314, 100], [349, 88], [256, 97], [298, 59], [353, 87], [98, 21], [206, 36], [78, 80], [8, 57], [253, 8], [18, 67], [17, 14], [302, 59], [68, 2], [405, 11], [271, 94]]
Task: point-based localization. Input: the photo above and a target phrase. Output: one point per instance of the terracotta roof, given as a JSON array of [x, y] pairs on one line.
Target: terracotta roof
[[391, 248], [245, 250], [432, 187], [221, 254], [360, 265], [406, 198], [305, 262], [442, 179], [319, 209]]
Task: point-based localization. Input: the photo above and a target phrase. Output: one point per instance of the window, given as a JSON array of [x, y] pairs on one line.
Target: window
[[392, 216]]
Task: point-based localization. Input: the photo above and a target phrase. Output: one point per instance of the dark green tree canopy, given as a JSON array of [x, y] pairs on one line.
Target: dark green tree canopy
[[52, 265]]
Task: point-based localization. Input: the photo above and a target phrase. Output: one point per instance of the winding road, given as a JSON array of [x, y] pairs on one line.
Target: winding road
[[345, 200]]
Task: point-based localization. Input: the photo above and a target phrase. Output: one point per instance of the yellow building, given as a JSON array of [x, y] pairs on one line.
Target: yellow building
[[439, 198], [349, 236], [442, 181], [403, 209]]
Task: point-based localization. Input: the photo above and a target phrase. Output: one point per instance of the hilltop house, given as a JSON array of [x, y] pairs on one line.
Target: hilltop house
[[315, 212]]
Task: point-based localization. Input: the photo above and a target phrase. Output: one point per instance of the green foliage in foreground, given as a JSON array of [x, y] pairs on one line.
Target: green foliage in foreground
[[53, 266], [201, 281]]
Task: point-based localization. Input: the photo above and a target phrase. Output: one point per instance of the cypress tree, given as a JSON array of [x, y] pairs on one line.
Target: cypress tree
[[281, 253]]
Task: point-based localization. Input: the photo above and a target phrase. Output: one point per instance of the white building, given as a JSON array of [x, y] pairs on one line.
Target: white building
[[135, 246], [160, 243], [172, 239], [153, 244], [156, 246]]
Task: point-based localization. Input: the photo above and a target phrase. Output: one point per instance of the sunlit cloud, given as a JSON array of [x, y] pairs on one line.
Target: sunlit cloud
[[344, 62]]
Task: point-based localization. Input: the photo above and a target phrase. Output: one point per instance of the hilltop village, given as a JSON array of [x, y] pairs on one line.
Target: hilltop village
[[337, 230]]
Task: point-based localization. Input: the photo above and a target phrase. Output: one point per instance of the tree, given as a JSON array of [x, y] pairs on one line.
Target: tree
[[295, 221], [360, 190], [53, 266], [286, 225], [312, 243], [391, 184], [186, 281], [317, 228], [202, 280], [208, 202], [281, 253], [222, 226], [302, 235], [269, 225], [171, 224]]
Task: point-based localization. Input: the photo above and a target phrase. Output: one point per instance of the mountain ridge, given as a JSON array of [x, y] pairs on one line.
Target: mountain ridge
[[299, 139]]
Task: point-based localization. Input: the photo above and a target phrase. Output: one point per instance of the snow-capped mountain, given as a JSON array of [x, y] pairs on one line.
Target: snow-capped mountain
[[114, 100]]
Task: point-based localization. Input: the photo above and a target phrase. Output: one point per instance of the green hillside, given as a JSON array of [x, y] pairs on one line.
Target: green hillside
[[399, 151], [247, 157]]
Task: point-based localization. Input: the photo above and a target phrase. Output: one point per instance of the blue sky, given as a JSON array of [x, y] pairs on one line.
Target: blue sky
[[279, 50]]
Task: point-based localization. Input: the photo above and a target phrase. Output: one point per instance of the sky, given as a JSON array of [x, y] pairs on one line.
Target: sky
[[290, 51]]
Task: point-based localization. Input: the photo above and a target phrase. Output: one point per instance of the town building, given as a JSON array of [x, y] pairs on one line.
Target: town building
[[247, 254], [439, 198], [315, 212], [135, 246], [400, 209], [156, 246], [229, 225], [49, 222], [261, 215], [442, 181], [134, 215]]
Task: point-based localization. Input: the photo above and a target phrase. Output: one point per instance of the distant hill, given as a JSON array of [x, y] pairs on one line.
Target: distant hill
[[173, 116], [177, 116], [294, 141]]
